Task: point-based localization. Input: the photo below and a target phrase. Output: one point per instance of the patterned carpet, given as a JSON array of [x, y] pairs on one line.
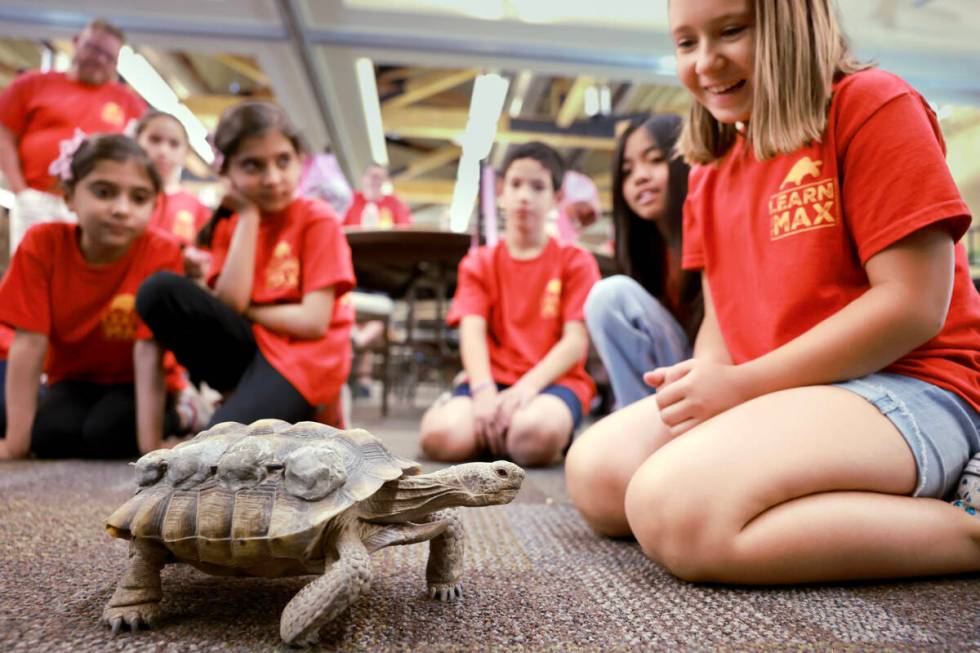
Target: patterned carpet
[[537, 580]]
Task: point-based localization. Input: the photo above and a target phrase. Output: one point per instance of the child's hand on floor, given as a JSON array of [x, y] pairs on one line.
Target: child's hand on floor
[[694, 391]]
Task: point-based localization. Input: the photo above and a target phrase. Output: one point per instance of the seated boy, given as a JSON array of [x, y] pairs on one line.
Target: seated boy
[[522, 332]]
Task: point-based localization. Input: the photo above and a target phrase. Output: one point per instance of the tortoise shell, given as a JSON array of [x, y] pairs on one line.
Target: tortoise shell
[[237, 495]]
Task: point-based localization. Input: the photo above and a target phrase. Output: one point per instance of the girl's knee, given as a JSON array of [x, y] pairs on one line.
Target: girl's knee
[[676, 522], [155, 290], [597, 486], [606, 297]]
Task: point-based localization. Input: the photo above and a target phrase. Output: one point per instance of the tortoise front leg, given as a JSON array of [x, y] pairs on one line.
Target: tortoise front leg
[[325, 598], [136, 601], [445, 567]]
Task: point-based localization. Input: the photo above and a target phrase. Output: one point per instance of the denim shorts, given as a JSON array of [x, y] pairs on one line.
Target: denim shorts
[[569, 398], [941, 429]]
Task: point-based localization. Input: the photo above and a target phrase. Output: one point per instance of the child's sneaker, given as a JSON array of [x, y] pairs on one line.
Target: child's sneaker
[[968, 489]]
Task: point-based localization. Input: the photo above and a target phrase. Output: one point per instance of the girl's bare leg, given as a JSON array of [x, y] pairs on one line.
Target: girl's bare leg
[[802, 485]]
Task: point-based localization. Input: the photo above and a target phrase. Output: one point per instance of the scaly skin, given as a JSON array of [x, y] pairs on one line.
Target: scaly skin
[[326, 597], [136, 601], [445, 566]]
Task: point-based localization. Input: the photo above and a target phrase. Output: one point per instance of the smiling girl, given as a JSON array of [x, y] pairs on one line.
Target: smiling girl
[[70, 294], [831, 404], [272, 331]]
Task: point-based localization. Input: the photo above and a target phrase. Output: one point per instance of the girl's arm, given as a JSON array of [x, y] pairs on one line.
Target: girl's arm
[[709, 343], [25, 362], [476, 361], [906, 305], [151, 394], [911, 284], [307, 320], [234, 284]]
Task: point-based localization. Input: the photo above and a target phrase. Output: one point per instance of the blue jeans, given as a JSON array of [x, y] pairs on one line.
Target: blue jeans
[[633, 333]]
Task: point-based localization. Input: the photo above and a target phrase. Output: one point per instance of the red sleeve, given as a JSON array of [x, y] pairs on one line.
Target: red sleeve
[[25, 291], [692, 239], [884, 200], [162, 253], [13, 102], [137, 106], [220, 242], [326, 259], [403, 215], [580, 273], [472, 294]]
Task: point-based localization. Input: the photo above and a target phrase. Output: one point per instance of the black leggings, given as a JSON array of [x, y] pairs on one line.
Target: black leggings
[[80, 419], [216, 345]]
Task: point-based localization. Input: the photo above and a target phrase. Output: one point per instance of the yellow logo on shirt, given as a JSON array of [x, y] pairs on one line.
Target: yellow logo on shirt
[[113, 114], [282, 272], [184, 225], [551, 299], [119, 320], [803, 207]]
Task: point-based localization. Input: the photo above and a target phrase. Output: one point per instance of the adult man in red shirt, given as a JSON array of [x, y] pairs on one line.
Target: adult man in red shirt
[[39, 111], [372, 207]]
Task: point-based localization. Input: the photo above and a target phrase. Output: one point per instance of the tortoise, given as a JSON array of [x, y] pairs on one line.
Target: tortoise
[[274, 499]]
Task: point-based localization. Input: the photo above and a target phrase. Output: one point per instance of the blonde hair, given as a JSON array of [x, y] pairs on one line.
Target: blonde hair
[[799, 51]]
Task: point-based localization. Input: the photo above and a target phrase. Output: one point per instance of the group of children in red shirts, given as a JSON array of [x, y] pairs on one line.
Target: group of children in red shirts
[[145, 292], [831, 402]]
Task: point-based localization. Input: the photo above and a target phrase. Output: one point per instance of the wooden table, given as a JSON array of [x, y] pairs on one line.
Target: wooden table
[[409, 264], [394, 260]]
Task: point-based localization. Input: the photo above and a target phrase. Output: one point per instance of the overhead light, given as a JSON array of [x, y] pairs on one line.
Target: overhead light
[[486, 105], [154, 89], [591, 101], [367, 85], [519, 90]]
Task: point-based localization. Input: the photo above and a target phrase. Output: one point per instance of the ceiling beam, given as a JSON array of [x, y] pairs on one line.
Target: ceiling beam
[[425, 191], [428, 86], [571, 106], [449, 124], [245, 67], [429, 161]]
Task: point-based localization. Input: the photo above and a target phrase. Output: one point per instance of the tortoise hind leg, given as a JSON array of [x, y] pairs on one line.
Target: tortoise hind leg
[[445, 567], [325, 598], [136, 601]]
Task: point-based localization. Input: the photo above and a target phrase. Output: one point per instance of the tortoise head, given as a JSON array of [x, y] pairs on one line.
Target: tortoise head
[[482, 484]]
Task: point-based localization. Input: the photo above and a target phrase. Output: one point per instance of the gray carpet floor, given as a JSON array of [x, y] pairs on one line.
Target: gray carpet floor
[[537, 579]]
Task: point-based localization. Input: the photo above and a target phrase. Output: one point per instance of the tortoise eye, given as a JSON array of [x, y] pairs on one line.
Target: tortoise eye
[[274, 467]]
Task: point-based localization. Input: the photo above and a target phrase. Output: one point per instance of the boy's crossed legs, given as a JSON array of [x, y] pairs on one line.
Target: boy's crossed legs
[[538, 433]]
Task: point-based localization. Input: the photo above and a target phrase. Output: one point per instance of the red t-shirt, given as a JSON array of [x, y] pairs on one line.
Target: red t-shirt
[[43, 109], [300, 250], [87, 311], [6, 337], [391, 211], [526, 304], [181, 215], [784, 242]]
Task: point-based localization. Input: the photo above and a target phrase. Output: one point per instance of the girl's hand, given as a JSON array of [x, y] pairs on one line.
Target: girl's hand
[[693, 391], [236, 201], [196, 262], [484, 411], [509, 402]]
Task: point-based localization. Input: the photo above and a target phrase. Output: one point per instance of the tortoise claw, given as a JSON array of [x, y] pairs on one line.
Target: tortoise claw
[[116, 624], [446, 592]]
